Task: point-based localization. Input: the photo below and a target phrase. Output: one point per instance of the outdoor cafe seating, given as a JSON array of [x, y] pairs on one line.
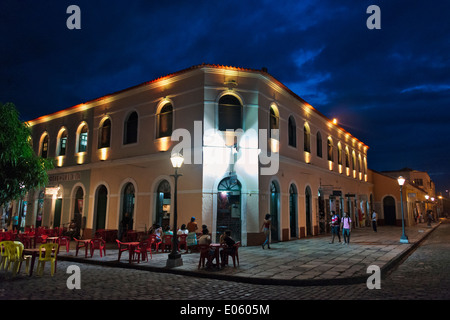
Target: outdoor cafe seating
[[98, 244], [234, 254], [12, 256], [64, 241], [182, 242], [48, 252]]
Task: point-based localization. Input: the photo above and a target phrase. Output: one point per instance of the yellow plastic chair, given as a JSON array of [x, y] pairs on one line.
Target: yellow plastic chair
[[4, 254], [47, 252], [16, 257]]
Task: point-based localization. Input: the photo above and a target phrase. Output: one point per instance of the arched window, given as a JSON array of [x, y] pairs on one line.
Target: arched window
[[44, 146], [354, 160], [104, 140], [319, 144], [292, 132], [131, 129], [230, 113], [274, 119], [82, 138], [165, 118], [306, 138], [347, 158], [330, 149], [339, 153], [62, 142]]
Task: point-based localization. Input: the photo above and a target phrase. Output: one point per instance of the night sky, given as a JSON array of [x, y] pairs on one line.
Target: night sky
[[389, 87]]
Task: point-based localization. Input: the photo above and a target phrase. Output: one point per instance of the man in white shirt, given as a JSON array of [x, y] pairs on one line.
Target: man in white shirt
[[374, 221]]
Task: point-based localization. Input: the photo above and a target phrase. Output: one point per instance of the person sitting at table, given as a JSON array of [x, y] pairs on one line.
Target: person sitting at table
[[167, 231], [205, 238], [182, 230], [229, 248], [159, 233], [72, 229]]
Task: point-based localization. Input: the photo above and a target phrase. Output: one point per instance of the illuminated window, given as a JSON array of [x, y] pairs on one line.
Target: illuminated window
[[105, 134], [131, 129], [319, 144], [347, 158], [62, 143], [165, 119], [44, 147], [83, 139], [230, 113], [330, 149], [306, 138], [274, 119], [292, 132]]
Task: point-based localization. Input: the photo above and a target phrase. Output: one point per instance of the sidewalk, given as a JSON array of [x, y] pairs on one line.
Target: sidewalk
[[302, 262]]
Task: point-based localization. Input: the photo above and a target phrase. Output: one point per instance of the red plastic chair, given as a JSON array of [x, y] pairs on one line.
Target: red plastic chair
[[182, 242], [64, 241], [167, 242], [154, 242], [81, 244], [204, 254], [122, 248], [233, 253], [98, 244], [141, 251]]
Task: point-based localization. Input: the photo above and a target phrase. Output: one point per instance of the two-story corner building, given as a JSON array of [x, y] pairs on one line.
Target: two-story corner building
[[251, 147]]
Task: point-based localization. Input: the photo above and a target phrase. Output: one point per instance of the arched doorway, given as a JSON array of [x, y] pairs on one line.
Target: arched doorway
[[293, 211], [229, 208], [128, 198], [274, 210], [78, 209], [101, 203], [389, 211], [308, 211], [163, 204]]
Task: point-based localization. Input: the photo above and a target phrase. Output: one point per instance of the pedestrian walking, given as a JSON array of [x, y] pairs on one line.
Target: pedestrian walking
[[374, 221], [346, 225], [16, 223], [335, 223], [429, 218], [266, 229]]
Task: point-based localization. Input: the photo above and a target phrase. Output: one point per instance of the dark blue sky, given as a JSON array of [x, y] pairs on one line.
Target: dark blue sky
[[390, 87]]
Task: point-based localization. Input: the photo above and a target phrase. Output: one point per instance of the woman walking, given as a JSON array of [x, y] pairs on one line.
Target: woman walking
[[346, 225], [266, 229]]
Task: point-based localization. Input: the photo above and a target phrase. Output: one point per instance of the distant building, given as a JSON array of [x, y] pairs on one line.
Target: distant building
[[251, 147], [387, 201]]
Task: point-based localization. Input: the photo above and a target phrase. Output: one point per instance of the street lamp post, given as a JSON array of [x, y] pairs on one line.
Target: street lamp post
[[174, 259], [404, 238]]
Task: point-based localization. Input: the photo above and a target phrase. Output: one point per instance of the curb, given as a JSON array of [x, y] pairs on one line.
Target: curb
[[385, 270]]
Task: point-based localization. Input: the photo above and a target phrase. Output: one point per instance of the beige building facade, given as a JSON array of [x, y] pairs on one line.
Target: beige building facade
[[251, 147], [417, 194]]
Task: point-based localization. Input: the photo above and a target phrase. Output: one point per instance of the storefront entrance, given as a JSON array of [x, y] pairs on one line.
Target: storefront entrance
[[229, 208]]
